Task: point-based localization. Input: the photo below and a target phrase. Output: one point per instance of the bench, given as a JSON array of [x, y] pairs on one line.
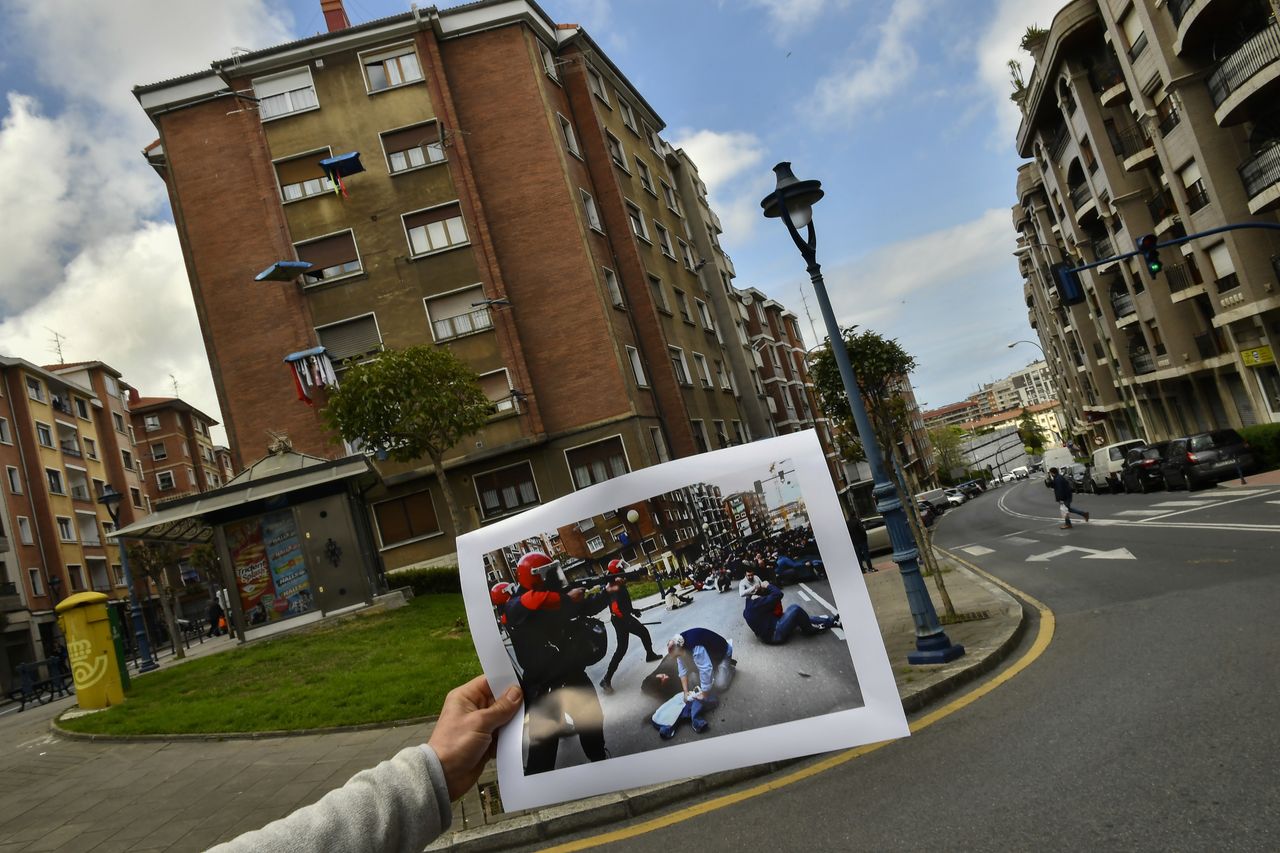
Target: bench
[[33, 686], [191, 630]]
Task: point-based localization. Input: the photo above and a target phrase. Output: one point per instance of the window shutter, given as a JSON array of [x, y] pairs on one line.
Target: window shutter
[[329, 251], [351, 338], [299, 169], [287, 82], [411, 137], [496, 386], [455, 304], [1132, 27], [1220, 258], [435, 214], [1190, 173]]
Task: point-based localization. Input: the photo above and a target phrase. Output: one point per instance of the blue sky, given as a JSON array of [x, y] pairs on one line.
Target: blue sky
[[899, 107]]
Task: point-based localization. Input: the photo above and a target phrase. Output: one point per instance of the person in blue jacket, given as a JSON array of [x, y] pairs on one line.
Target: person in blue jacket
[[1062, 494], [773, 624], [709, 656]]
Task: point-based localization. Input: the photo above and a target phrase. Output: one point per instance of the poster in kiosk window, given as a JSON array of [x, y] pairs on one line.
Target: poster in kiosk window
[[253, 575], [288, 566]]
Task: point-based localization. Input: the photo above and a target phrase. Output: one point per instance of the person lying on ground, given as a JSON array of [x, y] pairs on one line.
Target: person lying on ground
[[774, 625]]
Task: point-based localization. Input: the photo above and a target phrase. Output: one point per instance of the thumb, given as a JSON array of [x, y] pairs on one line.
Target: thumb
[[504, 707]]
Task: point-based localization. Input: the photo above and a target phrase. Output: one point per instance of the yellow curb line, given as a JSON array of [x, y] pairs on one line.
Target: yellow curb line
[[1043, 637]]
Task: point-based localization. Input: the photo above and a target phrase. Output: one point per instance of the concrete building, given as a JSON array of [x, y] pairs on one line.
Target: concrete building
[[177, 452], [953, 414], [1155, 118], [1048, 416], [1029, 386], [480, 178], [63, 436]]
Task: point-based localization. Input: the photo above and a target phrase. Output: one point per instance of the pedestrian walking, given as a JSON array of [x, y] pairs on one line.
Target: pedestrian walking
[[624, 617], [1062, 494]]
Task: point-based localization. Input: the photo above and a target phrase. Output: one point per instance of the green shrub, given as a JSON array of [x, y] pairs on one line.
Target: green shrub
[[1265, 440], [432, 580]]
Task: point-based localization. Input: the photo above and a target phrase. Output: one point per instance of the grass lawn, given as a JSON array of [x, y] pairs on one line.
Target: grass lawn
[[640, 589], [391, 666]]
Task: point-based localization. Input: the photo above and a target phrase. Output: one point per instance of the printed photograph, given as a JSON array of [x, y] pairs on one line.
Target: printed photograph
[[699, 612]]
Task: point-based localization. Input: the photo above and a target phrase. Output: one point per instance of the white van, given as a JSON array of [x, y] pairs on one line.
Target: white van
[[1056, 457], [1022, 472], [1108, 462]]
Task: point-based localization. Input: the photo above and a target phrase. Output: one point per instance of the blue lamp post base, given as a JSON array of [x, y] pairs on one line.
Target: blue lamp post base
[[935, 649]]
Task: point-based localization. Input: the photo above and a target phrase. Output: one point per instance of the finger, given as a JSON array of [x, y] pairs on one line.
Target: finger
[[502, 709]]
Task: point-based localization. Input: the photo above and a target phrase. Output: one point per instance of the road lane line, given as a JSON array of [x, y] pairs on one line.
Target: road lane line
[[1141, 511], [1215, 506], [830, 607], [1154, 521], [800, 593], [1043, 637], [1184, 503], [978, 550]]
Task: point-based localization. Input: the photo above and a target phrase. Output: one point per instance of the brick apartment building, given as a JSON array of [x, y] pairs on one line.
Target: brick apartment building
[[64, 435], [1161, 118], [176, 451], [514, 202]]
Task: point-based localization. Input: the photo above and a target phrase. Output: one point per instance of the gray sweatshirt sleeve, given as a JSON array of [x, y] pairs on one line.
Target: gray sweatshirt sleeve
[[401, 805]]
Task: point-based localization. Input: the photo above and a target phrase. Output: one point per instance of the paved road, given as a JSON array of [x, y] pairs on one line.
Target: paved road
[[1149, 723], [807, 676]]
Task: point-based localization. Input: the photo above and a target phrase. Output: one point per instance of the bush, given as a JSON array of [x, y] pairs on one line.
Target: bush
[[432, 580], [1265, 440]]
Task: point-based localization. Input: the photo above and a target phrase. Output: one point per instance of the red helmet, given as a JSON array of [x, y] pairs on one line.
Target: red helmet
[[500, 593], [535, 569], [616, 566]]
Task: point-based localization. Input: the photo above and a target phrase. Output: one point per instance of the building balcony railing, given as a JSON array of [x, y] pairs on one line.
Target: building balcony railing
[[1104, 76], [463, 324], [1261, 171], [1122, 304], [80, 493], [1161, 207], [8, 588], [1168, 121], [1103, 248], [1197, 196], [1178, 9], [1179, 277], [1058, 142], [1228, 282], [1130, 141], [1143, 362], [1080, 195], [1138, 46], [1257, 52], [70, 449]]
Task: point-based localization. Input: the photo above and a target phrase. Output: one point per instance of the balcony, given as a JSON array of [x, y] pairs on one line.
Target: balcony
[[1178, 9], [1143, 362], [1133, 145], [1107, 81], [1256, 58], [1167, 122], [1180, 278], [1228, 283], [1260, 175], [1058, 143], [463, 324], [10, 598], [1103, 248], [1197, 196], [1209, 344], [1080, 195], [70, 448], [1122, 304]]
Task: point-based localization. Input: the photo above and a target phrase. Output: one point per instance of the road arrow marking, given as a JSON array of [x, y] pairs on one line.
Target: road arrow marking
[[1089, 554]]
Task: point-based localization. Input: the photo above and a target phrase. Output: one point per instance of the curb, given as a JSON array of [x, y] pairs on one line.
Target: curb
[[92, 737], [548, 823]]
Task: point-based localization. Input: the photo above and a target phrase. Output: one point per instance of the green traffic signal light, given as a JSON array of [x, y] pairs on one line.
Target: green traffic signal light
[[1147, 245]]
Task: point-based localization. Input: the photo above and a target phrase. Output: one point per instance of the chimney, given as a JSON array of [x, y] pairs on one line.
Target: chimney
[[335, 15]]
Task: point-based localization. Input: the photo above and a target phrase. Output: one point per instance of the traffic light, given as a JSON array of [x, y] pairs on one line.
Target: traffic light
[[1070, 292], [1147, 246]]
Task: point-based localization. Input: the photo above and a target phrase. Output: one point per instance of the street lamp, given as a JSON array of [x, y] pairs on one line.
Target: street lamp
[[1034, 344], [633, 517], [792, 201], [110, 498]]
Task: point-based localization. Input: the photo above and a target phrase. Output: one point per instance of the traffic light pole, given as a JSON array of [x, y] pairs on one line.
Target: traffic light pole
[[1270, 226]]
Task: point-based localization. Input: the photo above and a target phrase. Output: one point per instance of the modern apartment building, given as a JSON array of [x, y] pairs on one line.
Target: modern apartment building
[[480, 178], [63, 436], [952, 414], [177, 452], [1048, 416], [1145, 117], [1029, 386]]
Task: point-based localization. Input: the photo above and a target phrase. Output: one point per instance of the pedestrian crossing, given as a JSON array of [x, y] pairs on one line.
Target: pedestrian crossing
[[1184, 503], [1140, 512], [979, 550]]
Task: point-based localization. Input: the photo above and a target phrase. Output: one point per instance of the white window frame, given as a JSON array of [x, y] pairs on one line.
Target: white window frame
[[164, 451], [595, 82], [673, 202], [686, 256], [433, 250], [635, 216], [592, 212], [503, 404], [62, 481], [173, 481], [82, 408], [617, 152], [325, 184], [475, 330], [43, 429], [655, 286], [614, 286], [5, 436], [151, 422], [704, 370], [548, 62], [659, 444], [704, 314], [533, 478], [387, 53], [90, 448], [306, 282], [650, 138], [687, 381], [628, 114], [626, 458], [292, 72], [664, 240], [646, 176], [37, 585], [66, 529], [14, 478], [25, 534], [637, 366], [427, 150]]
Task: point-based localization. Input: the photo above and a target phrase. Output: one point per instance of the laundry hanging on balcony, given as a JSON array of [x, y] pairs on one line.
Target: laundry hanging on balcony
[[283, 271], [337, 167], [311, 370]]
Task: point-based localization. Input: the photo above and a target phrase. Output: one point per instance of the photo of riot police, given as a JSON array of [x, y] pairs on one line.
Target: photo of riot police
[[702, 611]]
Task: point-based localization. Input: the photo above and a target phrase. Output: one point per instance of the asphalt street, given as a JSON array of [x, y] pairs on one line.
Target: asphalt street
[[773, 684], [1149, 722]]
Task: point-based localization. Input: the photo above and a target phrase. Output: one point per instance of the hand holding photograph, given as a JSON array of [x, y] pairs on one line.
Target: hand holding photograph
[[690, 617]]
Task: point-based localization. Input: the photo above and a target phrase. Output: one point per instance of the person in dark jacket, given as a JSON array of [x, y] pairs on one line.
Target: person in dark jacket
[[765, 616], [861, 544], [547, 637], [1062, 494], [624, 617], [214, 614]]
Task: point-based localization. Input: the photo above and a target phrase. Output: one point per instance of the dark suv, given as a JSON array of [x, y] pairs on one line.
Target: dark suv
[[1207, 457], [1143, 468]]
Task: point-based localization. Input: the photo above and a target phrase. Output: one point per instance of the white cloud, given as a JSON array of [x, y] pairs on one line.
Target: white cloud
[[997, 45], [793, 16], [731, 164], [862, 82]]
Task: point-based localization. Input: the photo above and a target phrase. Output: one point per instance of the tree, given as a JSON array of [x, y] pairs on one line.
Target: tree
[[881, 366], [948, 447], [1031, 433], [156, 561], [409, 404]]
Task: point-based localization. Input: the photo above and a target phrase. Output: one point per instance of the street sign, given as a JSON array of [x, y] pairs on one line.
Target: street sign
[[1089, 554]]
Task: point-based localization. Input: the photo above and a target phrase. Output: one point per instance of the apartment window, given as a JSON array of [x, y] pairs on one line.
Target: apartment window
[[99, 486], [158, 451], [413, 147], [616, 151], [453, 315], [1197, 196], [673, 203], [1134, 37], [151, 422], [593, 215], [704, 373], [636, 218], [82, 408], [723, 376], [659, 444], [597, 462], [350, 339], [646, 177], [596, 83], [704, 314], [548, 62], [285, 94], [191, 477], [118, 420], [35, 390], [5, 438], [393, 67], [496, 385], [682, 300], [739, 436], [302, 177], [435, 229], [405, 519], [332, 256], [700, 435], [506, 490], [637, 368], [686, 256], [722, 437], [90, 448], [679, 365], [165, 481], [659, 296], [651, 138], [55, 481], [44, 434], [628, 114], [37, 588], [611, 284], [15, 479], [570, 138], [664, 240], [24, 530], [135, 495], [66, 530]]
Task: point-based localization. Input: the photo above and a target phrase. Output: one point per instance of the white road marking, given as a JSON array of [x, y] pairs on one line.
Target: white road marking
[[1019, 540], [1141, 512], [839, 632], [1273, 502], [802, 595], [1184, 503], [1089, 554], [819, 599], [1233, 493], [1154, 521], [978, 550]]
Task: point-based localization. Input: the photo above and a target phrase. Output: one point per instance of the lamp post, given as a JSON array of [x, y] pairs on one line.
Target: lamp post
[[633, 518], [1034, 344], [110, 498], [792, 201]]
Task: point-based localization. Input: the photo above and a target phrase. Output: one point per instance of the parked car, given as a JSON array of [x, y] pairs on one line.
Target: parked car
[[1008, 478], [1143, 468], [877, 534], [928, 512], [1107, 462], [955, 497], [971, 489], [1207, 457], [1022, 472]]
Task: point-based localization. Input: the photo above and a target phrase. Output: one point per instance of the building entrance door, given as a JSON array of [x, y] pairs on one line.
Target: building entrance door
[[333, 554]]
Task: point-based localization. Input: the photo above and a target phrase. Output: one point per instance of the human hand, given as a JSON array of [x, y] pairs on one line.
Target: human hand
[[464, 738], [576, 595]]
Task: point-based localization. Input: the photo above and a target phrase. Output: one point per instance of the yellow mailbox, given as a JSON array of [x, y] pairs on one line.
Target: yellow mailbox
[[90, 649]]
